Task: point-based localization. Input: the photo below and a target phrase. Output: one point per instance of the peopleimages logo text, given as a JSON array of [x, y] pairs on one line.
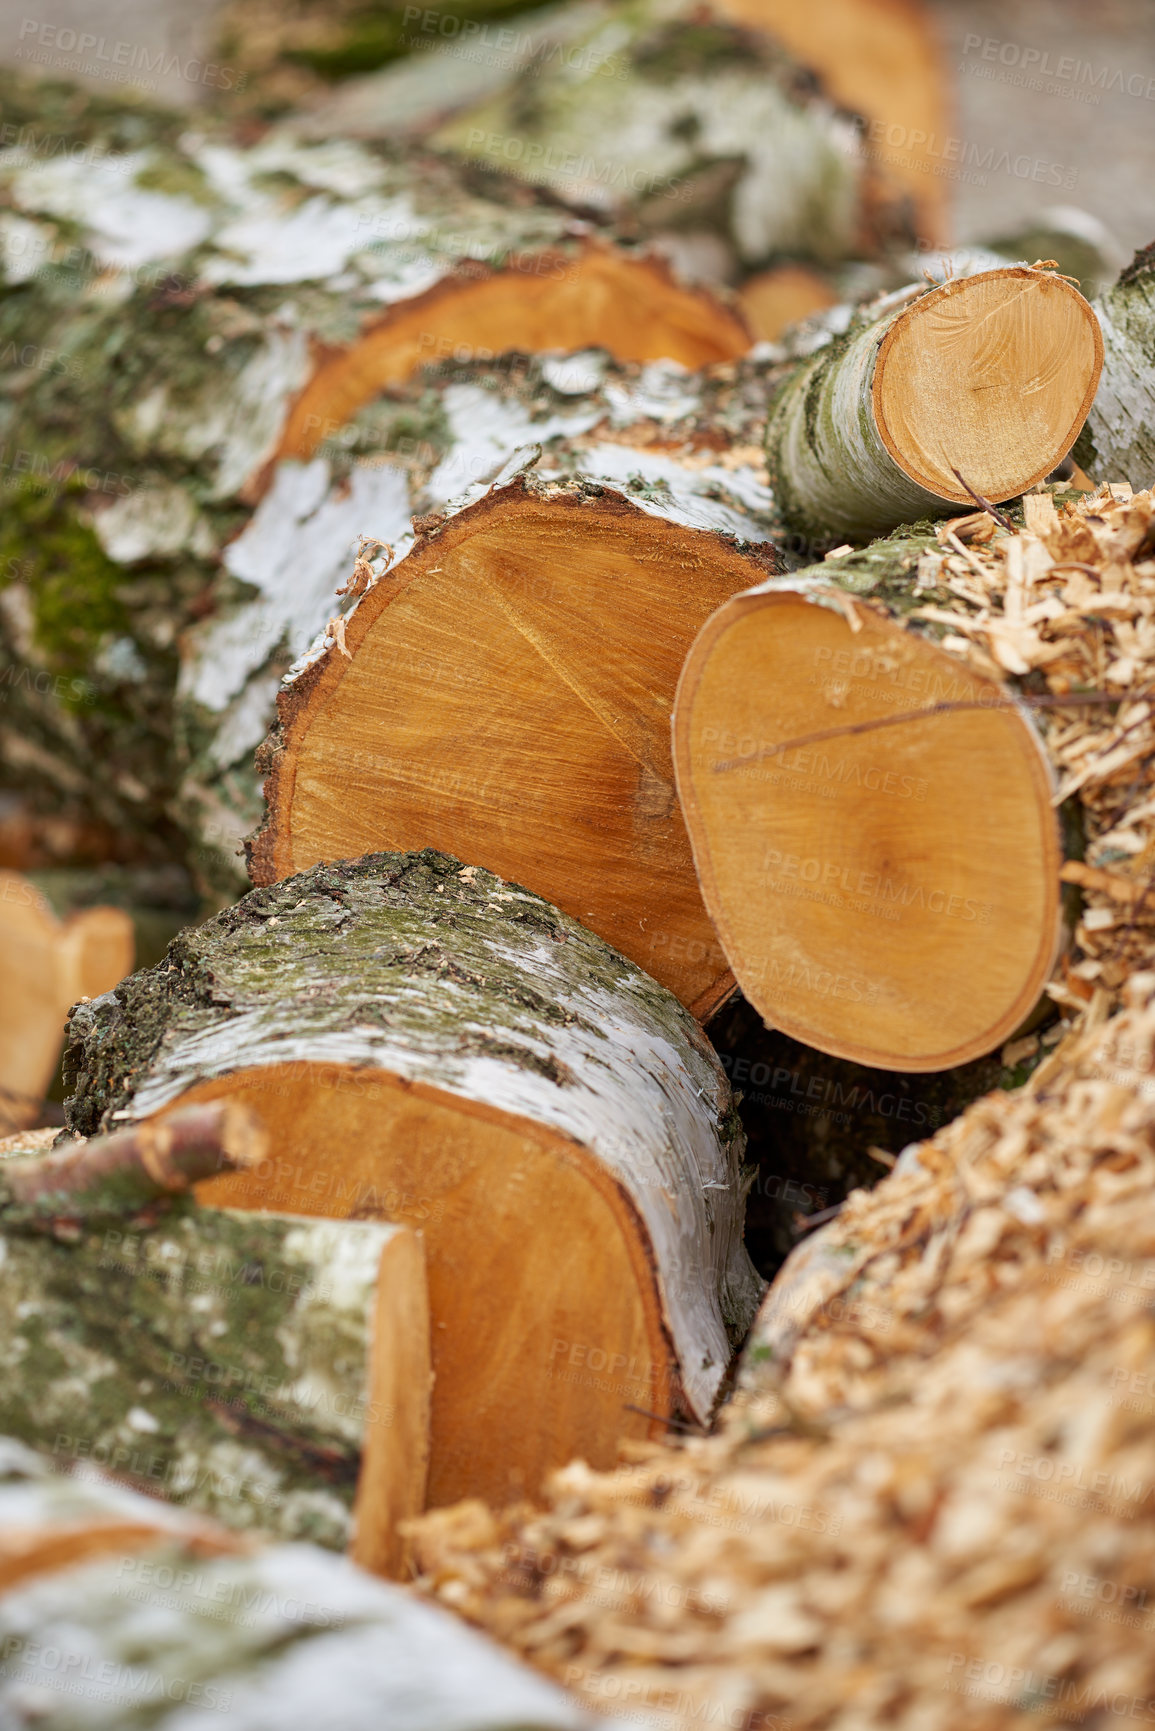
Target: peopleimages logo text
[[1067, 69]]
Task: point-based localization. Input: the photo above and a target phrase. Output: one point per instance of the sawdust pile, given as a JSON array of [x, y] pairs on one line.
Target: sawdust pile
[[1067, 608], [932, 1501]]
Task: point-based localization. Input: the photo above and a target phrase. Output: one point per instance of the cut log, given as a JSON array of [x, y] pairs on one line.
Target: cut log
[[872, 807], [1118, 441], [143, 1618], [272, 1371], [932, 395], [52, 1520], [871, 818], [672, 120], [45, 965], [185, 318], [504, 691], [776, 298], [884, 60], [431, 1045]]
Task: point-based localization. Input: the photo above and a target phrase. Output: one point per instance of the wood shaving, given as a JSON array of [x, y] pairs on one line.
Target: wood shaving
[[1066, 607], [932, 1501]]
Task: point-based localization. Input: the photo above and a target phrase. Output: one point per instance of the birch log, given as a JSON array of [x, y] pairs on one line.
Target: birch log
[[431, 1045], [503, 691], [121, 1614], [989, 378], [669, 119], [871, 816], [1118, 442], [185, 321], [268, 1370], [874, 756]]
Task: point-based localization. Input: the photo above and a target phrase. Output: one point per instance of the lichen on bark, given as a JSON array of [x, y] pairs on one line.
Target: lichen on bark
[[208, 1357], [444, 975], [1118, 441]]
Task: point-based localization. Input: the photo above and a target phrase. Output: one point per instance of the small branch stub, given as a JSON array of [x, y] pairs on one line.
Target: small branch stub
[[125, 1172]]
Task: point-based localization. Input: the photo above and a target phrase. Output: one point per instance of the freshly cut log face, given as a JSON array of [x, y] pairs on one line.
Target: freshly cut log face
[[504, 693], [45, 965], [871, 821], [271, 291], [988, 378], [431, 1045]]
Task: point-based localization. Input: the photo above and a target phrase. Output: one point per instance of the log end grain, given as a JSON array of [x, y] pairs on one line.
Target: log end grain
[[873, 830], [988, 377]]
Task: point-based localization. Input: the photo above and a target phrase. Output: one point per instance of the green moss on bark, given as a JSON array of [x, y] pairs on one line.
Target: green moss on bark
[[205, 1358], [371, 941]]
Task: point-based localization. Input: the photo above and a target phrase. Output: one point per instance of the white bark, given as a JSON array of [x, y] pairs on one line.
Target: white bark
[[1119, 440], [624, 1071], [171, 1637]]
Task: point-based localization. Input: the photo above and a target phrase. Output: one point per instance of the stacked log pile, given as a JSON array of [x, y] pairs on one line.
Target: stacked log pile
[[410, 1181], [186, 320], [484, 635]]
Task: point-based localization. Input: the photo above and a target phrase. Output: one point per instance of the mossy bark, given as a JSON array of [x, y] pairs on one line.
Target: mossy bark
[[693, 129], [444, 975], [219, 1360], [1118, 441], [166, 294]]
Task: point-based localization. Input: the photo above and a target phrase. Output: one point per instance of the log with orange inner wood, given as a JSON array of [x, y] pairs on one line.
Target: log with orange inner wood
[[536, 744]]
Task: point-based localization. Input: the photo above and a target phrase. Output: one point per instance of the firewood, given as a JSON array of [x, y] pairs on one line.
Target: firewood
[[872, 807], [271, 1370], [271, 293], [503, 691], [677, 122], [1118, 441], [45, 965], [122, 1614], [943, 1431], [431, 1045], [387, 741], [883, 60], [934, 395]]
